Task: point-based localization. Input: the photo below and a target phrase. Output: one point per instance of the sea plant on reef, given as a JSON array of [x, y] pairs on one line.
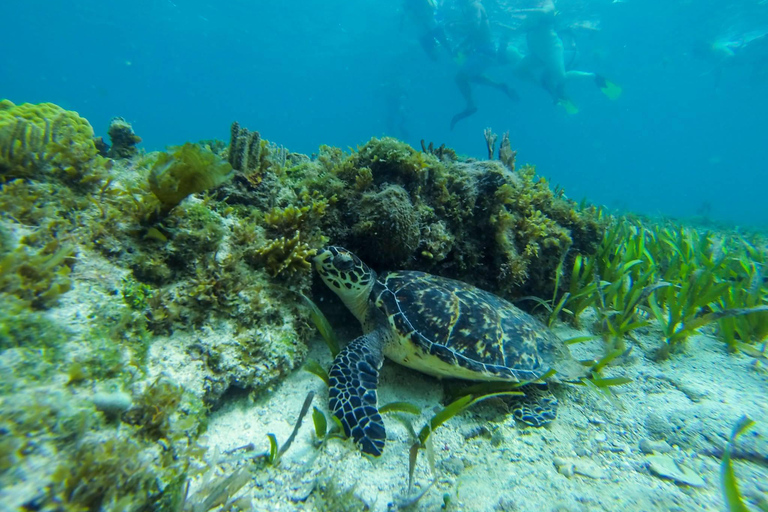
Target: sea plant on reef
[[680, 277], [186, 170]]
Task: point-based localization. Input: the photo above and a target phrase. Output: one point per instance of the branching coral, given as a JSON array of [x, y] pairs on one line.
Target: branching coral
[[286, 255], [442, 152], [506, 153], [292, 218]]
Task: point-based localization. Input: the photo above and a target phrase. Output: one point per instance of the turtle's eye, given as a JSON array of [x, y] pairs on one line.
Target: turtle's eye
[[343, 262]]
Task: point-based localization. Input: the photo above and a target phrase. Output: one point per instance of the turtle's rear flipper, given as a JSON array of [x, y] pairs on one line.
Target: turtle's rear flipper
[[537, 408], [353, 380]]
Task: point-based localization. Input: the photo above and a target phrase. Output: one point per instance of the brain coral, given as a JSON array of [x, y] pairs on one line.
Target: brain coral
[[36, 139]]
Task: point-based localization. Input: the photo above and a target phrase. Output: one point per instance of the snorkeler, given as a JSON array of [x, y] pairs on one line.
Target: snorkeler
[[545, 62], [476, 53], [395, 109], [749, 49], [426, 16]]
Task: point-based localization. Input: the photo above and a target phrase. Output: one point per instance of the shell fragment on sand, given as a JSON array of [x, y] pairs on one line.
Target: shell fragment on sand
[[666, 467]]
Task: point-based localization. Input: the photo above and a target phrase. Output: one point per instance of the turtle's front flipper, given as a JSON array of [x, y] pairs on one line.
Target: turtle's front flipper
[[537, 408], [352, 394]]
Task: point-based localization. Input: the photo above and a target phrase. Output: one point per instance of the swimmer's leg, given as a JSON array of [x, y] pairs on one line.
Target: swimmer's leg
[[484, 80], [574, 73], [528, 69], [428, 43], [465, 88], [607, 87]]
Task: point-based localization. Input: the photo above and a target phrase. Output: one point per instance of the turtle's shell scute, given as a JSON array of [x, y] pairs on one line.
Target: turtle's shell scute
[[466, 326]]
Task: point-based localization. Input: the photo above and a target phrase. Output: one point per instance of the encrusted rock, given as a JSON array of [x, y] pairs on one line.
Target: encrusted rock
[[649, 447]]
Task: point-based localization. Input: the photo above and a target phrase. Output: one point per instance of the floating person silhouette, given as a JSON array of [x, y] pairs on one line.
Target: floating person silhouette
[[547, 57], [426, 15], [475, 53], [749, 49], [395, 93]]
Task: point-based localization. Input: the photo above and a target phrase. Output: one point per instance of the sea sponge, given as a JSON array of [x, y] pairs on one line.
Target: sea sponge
[[188, 169], [35, 139]]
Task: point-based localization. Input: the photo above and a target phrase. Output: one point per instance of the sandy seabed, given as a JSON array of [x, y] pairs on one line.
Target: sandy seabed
[[634, 452]]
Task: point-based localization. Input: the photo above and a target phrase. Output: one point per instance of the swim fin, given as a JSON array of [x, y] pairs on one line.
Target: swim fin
[[610, 89], [569, 106]]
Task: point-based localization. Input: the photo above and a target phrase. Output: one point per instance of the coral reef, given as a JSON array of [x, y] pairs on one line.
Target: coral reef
[[38, 139], [141, 294], [131, 304], [389, 223], [123, 139], [477, 221]]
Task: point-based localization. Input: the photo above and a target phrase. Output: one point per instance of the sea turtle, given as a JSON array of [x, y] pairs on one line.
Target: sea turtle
[[438, 326]]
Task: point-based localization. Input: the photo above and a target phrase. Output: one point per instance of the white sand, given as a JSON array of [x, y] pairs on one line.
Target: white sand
[[691, 401]]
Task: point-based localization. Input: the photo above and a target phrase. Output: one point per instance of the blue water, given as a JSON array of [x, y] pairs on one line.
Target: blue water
[[687, 136]]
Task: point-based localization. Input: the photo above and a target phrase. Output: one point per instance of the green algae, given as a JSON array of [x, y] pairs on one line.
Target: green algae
[[186, 170]]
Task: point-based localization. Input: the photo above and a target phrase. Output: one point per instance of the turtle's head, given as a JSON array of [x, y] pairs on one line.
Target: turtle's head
[[348, 276]]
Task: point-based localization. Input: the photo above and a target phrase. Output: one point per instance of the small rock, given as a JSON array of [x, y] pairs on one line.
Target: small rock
[[453, 465], [647, 446], [583, 467], [617, 447], [583, 451], [658, 426], [564, 466], [477, 431], [589, 469], [112, 404], [666, 467], [506, 504], [600, 437]]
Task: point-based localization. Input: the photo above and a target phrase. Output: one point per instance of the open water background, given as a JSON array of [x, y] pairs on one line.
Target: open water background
[[687, 137]]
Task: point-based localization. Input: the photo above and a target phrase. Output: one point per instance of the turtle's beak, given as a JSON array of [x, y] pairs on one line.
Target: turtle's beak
[[321, 255], [321, 259]]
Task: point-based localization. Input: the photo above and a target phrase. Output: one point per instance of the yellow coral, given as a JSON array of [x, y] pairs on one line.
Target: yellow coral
[[286, 255], [292, 218], [36, 138]]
